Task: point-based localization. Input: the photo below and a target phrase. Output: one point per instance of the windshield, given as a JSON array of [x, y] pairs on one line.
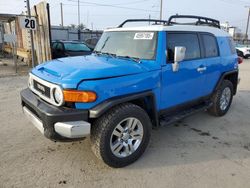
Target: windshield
[[136, 44], [242, 45], [76, 47]]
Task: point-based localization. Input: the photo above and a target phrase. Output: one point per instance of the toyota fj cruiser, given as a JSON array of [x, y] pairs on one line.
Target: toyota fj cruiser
[[136, 79]]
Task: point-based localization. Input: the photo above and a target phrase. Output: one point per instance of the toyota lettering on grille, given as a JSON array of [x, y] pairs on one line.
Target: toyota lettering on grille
[[40, 87], [44, 90]]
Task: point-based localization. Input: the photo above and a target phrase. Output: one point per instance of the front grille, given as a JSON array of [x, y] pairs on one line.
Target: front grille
[[43, 89]]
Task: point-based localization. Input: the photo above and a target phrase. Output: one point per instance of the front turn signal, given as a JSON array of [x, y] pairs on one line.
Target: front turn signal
[[79, 96]]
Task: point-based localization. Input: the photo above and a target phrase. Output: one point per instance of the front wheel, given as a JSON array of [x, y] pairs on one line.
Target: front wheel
[[121, 135], [222, 99]]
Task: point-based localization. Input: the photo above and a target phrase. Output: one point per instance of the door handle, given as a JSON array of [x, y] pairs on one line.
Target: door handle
[[201, 69]]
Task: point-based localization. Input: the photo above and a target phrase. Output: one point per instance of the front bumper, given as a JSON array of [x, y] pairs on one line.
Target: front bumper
[[56, 123]]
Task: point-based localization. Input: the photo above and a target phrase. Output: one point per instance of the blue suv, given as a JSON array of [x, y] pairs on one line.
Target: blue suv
[[136, 79]]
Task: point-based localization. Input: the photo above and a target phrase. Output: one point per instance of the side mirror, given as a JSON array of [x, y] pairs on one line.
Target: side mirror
[[179, 55]]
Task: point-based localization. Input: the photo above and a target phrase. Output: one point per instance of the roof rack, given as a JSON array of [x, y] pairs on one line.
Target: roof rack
[[200, 21], [156, 22]]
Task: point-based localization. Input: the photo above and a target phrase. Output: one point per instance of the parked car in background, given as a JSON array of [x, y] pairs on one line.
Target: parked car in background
[[92, 42], [243, 50], [69, 48], [240, 53]]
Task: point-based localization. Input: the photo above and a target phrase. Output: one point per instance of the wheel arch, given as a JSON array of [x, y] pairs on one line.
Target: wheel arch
[[145, 100], [232, 76]]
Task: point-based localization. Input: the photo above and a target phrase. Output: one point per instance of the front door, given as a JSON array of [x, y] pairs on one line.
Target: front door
[[187, 84]]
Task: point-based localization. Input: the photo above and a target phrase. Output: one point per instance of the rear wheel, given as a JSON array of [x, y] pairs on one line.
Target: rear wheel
[[121, 135], [246, 56], [222, 99]]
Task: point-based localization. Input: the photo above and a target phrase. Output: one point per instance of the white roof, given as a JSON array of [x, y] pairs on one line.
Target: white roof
[[217, 32]]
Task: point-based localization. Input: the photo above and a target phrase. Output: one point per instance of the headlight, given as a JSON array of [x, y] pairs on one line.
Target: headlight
[[58, 95]]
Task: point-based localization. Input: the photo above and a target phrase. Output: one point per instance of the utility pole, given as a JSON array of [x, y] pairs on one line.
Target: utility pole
[[79, 31], [79, 12], [246, 34], [31, 36], [161, 9], [61, 14], [87, 19]]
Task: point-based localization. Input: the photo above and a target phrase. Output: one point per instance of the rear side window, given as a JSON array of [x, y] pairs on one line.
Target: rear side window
[[188, 40], [76, 47], [59, 46], [54, 45], [232, 45], [210, 45]]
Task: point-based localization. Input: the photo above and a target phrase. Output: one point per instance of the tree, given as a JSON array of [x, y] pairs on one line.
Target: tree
[[81, 26], [72, 26]]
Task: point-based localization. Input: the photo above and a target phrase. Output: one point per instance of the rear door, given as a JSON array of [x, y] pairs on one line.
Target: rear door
[[187, 84], [212, 61]]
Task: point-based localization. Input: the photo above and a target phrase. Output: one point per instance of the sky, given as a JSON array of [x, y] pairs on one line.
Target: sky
[[98, 14]]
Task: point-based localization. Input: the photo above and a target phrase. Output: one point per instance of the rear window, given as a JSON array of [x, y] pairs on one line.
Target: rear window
[[232, 45], [210, 44], [188, 40], [59, 46], [76, 47], [54, 45]]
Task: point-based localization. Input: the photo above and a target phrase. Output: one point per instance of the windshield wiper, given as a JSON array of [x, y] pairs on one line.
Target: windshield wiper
[[104, 53], [135, 59]]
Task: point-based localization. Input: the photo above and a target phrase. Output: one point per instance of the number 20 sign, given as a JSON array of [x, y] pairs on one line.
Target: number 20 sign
[[28, 23]]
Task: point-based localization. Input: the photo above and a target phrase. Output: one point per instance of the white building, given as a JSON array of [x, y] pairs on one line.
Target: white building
[[235, 32]]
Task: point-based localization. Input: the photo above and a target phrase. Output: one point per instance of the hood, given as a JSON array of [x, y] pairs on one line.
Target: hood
[[69, 71], [243, 48]]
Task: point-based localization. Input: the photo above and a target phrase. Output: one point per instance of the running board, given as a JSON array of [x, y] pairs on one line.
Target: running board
[[172, 118]]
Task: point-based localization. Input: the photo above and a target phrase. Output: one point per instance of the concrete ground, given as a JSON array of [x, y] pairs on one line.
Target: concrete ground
[[201, 151], [8, 68]]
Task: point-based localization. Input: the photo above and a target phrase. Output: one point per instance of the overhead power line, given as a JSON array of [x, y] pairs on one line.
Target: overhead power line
[[235, 1], [125, 3], [110, 5], [132, 2]]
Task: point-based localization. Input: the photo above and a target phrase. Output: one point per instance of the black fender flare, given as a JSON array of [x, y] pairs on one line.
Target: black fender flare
[[101, 108], [222, 77]]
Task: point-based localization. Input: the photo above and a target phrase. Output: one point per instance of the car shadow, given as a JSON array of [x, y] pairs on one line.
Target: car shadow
[[196, 139], [201, 138]]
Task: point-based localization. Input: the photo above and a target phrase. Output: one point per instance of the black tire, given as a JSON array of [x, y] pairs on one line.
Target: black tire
[[246, 56], [240, 53], [215, 109], [103, 127]]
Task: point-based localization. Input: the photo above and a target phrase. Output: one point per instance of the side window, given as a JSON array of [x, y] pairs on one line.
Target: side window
[[54, 45], [232, 45], [59, 46], [210, 45], [190, 41]]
